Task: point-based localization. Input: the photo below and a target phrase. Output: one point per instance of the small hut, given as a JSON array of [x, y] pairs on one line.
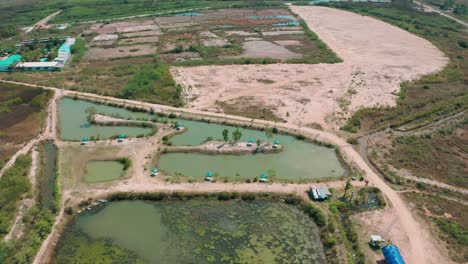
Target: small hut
[[209, 176], [121, 138], [154, 172], [276, 144], [263, 177], [84, 141], [250, 142], [179, 126]]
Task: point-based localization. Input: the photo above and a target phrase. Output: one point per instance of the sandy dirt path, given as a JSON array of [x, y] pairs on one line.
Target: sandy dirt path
[[17, 227], [417, 246], [377, 58], [428, 8]]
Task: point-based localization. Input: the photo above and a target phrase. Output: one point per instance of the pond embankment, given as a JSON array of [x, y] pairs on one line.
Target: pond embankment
[[226, 148]]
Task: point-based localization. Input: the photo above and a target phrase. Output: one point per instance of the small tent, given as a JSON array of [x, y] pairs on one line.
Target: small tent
[[263, 177], [209, 176]]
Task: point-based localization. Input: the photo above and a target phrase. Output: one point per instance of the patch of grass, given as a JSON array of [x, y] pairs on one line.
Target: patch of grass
[[154, 83], [126, 162], [14, 184], [78, 51], [446, 217], [439, 156]]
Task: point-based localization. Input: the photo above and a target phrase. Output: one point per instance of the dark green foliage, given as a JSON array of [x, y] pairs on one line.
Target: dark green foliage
[[78, 51], [13, 185], [154, 83], [316, 214], [126, 162], [454, 230]]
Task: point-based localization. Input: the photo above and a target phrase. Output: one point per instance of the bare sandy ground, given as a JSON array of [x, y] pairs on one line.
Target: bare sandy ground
[[377, 58]]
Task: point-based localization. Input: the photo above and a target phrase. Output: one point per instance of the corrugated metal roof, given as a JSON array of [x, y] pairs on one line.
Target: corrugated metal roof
[[10, 60], [40, 64]]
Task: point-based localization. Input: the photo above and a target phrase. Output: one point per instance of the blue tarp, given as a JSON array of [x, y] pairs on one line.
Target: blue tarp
[[392, 255]]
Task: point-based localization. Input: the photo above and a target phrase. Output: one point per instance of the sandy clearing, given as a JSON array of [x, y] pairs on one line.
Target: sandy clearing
[[120, 52], [266, 49], [377, 58]]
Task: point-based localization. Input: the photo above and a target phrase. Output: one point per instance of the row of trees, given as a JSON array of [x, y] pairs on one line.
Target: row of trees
[[237, 134]]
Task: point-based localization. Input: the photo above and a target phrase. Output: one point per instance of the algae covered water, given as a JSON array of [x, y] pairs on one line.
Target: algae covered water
[[300, 160], [75, 126], [193, 231], [106, 170]]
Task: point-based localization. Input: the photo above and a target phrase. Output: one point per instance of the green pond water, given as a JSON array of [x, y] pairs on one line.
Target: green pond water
[[47, 182], [193, 231], [300, 160], [100, 171], [75, 126]]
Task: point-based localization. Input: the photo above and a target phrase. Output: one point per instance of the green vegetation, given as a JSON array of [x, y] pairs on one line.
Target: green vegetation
[[126, 162], [433, 155], [341, 210], [29, 12], [326, 55], [78, 51], [154, 83], [449, 218], [14, 184], [37, 226]]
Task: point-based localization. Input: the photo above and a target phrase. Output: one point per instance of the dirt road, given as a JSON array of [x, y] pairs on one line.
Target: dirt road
[[428, 8], [418, 246]]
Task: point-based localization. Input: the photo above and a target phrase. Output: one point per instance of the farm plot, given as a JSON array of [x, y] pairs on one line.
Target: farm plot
[[212, 37]]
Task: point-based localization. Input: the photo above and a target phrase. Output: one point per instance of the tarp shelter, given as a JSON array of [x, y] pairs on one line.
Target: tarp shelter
[[5, 64], [209, 176], [84, 139], [121, 136], [263, 177], [276, 142], [154, 170], [392, 255], [250, 142]]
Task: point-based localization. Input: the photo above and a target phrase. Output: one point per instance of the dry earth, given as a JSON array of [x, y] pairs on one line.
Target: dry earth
[[377, 58]]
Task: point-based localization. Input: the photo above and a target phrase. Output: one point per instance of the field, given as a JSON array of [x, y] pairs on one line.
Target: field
[[449, 219], [21, 116]]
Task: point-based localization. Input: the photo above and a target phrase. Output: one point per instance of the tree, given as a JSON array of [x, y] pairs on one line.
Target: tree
[[348, 187], [259, 142], [226, 135], [236, 135], [269, 133]]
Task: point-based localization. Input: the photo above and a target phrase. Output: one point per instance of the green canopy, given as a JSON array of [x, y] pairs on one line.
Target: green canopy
[[251, 140], [263, 176], [276, 142], [84, 139], [121, 136], [154, 170], [209, 174]]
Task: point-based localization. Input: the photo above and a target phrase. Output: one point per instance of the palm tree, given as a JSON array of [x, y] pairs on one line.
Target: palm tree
[[348, 187]]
